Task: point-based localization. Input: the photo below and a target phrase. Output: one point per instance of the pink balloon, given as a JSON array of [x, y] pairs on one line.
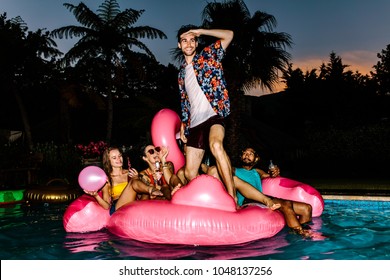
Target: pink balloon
[[165, 124], [92, 178]]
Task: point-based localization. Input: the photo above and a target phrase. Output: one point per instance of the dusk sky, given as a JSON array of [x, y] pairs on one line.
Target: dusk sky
[[356, 30]]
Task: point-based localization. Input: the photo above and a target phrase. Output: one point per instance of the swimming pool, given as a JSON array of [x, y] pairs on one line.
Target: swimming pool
[[352, 230]]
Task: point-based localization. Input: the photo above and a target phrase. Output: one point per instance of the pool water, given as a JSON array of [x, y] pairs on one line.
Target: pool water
[[347, 230]]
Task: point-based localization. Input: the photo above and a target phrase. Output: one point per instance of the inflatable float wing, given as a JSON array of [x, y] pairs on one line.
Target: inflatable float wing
[[201, 213], [293, 190], [85, 215]]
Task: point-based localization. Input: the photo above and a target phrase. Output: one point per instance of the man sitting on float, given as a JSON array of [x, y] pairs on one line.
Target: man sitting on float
[[248, 182]]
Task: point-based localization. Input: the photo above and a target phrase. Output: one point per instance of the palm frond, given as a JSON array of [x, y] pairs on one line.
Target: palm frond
[[145, 32], [257, 54], [69, 31], [128, 17], [108, 10], [141, 46], [45, 46], [262, 20], [84, 15]]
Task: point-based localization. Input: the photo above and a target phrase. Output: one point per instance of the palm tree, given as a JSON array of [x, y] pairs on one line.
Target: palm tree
[[257, 53], [108, 37], [255, 56]]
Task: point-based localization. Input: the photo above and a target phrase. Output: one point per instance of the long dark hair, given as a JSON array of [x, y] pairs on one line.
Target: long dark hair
[[107, 167]]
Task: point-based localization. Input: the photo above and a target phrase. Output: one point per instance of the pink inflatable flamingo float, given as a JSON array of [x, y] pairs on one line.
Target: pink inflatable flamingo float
[[200, 213]]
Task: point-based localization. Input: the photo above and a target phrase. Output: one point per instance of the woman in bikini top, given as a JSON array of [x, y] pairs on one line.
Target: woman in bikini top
[[122, 186]]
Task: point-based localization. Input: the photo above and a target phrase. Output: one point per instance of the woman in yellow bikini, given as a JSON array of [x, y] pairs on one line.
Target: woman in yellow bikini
[[123, 186]]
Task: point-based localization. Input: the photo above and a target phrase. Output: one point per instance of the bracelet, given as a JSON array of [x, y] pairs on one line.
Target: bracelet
[[165, 164]]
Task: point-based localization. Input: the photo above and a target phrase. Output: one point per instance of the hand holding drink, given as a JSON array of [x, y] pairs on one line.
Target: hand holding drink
[[128, 163], [157, 174], [273, 170], [133, 173]]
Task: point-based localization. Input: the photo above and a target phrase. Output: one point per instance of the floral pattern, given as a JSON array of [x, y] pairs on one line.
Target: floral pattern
[[92, 150], [209, 73]]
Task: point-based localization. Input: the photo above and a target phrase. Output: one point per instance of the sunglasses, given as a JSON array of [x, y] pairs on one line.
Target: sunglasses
[[156, 149]]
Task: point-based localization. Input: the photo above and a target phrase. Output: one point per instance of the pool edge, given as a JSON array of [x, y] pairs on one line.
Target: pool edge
[[355, 197]]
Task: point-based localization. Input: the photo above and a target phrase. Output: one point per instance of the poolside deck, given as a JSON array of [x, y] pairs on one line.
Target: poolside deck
[[348, 189]]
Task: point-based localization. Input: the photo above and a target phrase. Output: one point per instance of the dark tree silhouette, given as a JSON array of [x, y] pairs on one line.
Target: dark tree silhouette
[[108, 37], [381, 75], [254, 58], [23, 63]]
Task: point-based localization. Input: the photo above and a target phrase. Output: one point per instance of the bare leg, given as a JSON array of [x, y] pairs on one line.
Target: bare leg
[[217, 134], [250, 192], [246, 189], [142, 188], [290, 216], [175, 181], [205, 168], [290, 209], [212, 171], [181, 176], [134, 187], [193, 160], [127, 195], [303, 210]]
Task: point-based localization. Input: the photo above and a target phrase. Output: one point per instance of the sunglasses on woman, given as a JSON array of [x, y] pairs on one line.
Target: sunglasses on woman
[[151, 151]]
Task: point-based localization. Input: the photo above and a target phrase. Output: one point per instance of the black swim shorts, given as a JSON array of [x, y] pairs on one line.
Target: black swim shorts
[[199, 135]]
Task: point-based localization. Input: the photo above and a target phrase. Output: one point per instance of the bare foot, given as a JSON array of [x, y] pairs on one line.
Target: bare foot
[[307, 233], [175, 189], [154, 192], [275, 206]]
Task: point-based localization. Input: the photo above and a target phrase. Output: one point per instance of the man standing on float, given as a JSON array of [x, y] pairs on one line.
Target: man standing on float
[[205, 102]]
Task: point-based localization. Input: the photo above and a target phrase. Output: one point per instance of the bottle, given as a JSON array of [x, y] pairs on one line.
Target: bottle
[[128, 163], [158, 174], [129, 166], [271, 168], [157, 166]]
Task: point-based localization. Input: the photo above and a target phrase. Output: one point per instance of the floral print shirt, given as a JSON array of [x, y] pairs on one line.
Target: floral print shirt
[[209, 73]]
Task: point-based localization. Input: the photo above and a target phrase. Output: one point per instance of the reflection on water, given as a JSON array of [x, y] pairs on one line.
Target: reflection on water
[[341, 233], [121, 248]]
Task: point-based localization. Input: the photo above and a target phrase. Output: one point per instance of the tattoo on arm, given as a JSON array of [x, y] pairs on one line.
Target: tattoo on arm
[[145, 180]]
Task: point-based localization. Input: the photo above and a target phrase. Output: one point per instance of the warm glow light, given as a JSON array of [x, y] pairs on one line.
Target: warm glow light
[[357, 61], [361, 61]]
